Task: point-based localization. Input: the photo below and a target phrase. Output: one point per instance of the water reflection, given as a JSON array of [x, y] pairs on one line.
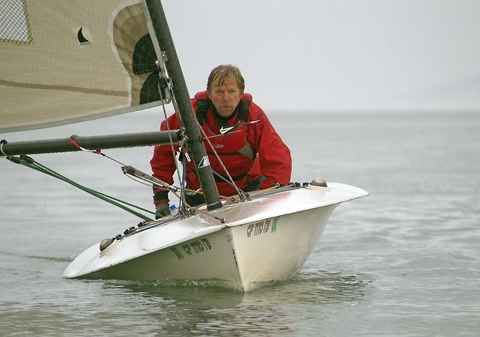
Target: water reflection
[[203, 308], [317, 287]]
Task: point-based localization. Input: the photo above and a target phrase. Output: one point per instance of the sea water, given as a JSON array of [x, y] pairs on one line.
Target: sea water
[[404, 261]]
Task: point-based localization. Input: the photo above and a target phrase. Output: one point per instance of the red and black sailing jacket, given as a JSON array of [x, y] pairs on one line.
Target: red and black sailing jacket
[[248, 150]]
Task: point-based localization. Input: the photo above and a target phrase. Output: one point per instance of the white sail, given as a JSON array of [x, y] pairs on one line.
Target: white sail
[[69, 61]]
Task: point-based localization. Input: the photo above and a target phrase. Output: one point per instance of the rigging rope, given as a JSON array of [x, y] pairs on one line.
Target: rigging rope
[[96, 151]]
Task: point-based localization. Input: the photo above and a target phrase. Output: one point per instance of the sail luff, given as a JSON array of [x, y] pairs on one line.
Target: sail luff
[[182, 97], [89, 143]]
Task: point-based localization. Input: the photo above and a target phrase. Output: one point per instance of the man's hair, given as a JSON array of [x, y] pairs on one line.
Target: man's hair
[[226, 72]]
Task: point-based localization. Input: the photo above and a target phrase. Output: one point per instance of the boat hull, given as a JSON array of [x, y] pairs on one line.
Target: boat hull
[[266, 239]]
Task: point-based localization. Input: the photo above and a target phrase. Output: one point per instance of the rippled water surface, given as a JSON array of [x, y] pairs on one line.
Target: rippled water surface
[[404, 261]]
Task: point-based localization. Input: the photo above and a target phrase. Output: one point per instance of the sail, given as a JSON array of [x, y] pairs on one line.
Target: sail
[[70, 61]]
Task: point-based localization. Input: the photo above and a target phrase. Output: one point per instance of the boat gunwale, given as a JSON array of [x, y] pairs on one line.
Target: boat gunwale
[[229, 205]]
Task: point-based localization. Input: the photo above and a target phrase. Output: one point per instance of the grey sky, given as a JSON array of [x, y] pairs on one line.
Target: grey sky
[[336, 55]]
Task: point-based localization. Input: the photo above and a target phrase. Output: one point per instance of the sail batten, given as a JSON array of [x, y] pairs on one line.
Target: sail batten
[[71, 61]]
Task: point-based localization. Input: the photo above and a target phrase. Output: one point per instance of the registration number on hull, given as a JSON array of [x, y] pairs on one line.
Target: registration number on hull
[[262, 227]]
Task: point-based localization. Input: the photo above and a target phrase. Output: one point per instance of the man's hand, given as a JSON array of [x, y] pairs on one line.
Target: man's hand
[[162, 210]]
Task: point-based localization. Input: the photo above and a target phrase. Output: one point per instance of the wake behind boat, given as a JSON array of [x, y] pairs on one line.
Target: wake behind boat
[[117, 56]]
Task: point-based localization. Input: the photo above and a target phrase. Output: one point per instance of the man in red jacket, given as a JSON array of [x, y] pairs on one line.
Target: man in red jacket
[[241, 134]]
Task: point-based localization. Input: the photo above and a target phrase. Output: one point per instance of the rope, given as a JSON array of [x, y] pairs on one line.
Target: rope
[[31, 163], [275, 186], [141, 177], [98, 151]]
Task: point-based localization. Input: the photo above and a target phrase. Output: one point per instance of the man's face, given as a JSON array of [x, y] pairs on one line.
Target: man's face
[[225, 97]]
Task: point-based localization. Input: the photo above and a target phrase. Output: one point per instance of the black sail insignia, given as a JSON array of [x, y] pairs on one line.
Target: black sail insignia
[[144, 62]]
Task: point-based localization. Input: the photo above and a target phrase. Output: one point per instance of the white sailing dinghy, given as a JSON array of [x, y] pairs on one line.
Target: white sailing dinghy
[[64, 62]]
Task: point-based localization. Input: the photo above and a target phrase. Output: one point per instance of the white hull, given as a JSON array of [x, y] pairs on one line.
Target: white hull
[[268, 238]]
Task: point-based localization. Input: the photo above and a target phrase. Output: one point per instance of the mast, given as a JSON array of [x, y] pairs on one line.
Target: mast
[[182, 96]]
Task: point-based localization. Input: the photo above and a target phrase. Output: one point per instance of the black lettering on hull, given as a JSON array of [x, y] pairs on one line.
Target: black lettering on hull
[[197, 247], [261, 227]]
